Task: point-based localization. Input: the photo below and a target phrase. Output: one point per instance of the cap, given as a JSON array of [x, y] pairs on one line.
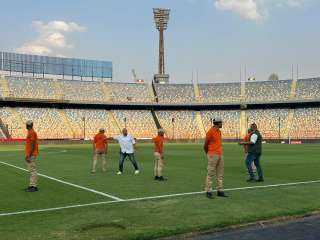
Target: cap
[[160, 130], [101, 130], [217, 120], [29, 123]]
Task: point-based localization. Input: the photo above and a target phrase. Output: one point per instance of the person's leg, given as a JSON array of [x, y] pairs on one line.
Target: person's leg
[[156, 164], [133, 161], [220, 173], [160, 166], [249, 160], [104, 162], [211, 172], [33, 172], [121, 161], [94, 162], [258, 166]]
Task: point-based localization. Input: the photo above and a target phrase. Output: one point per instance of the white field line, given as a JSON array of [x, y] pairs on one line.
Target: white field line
[[67, 183], [154, 197]]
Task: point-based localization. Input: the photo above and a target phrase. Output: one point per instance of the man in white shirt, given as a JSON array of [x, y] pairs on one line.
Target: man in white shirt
[[127, 147], [254, 154]]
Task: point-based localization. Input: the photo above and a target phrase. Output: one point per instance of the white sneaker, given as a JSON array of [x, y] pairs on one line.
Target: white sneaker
[[136, 172], [119, 173]]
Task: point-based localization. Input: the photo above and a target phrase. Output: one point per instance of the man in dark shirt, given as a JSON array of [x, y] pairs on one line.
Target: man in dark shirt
[[254, 154]]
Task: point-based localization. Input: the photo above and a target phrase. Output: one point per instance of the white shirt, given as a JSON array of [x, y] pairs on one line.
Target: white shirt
[[254, 138], [126, 143]]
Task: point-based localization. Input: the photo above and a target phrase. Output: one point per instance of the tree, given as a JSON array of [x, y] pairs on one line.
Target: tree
[[273, 77]]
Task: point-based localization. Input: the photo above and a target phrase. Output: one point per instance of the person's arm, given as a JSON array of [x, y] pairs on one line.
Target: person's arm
[[94, 145], [134, 143], [206, 144], [32, 147], [253, 140]]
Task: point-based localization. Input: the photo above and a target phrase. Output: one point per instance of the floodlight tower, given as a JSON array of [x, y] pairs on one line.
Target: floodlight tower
[[161, 18]]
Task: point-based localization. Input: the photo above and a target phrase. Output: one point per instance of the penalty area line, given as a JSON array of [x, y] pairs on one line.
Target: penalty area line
[[66, 183], [154, 197]]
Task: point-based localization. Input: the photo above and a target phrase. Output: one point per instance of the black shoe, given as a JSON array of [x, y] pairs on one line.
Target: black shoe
[[260, 180], [156, 178], [251, 180], [28, 189], [31, 189], [210, 195], [162, 178], [221, 194]]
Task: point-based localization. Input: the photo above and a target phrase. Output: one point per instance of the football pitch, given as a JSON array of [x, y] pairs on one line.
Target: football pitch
[[72, 203]]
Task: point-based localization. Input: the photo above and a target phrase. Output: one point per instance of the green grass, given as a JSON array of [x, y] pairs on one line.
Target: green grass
[[149, 219]]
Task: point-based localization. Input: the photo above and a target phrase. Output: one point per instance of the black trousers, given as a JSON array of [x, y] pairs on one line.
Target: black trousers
[[131, 157]]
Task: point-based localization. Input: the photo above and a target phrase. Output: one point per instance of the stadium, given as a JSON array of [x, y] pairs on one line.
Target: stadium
[[69, 99]]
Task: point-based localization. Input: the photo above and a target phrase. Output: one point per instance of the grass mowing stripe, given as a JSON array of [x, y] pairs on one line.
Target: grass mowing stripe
[[67, 183], [155, 197]]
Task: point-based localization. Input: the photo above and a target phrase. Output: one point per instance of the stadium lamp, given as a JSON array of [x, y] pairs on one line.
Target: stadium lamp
[[161, 18]]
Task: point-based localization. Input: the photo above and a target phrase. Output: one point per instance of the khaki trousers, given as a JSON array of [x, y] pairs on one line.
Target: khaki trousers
[[99, 156], [32, 167], [215, 169], [158, 164]]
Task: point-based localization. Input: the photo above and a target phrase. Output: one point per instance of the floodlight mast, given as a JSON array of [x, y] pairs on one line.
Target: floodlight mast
[[161, 18]]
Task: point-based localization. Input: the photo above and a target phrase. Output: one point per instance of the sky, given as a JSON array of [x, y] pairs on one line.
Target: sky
[[206, 40]]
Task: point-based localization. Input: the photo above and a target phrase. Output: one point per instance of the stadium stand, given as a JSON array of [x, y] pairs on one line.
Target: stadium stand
[[12, 119], [48, 121], [268, 122], [308, 89], [69, 123], [29, 87], [87, 122], [175, 93], [268, 91], [179, 124], [130, 92], [140, 124], [81, 91], [231, 122], [220, 92], [306, 124]]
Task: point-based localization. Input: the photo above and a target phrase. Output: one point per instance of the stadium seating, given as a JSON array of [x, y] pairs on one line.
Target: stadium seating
[[82, 91], [130, 92], [15, 125], [140, 124], [220, 92], [48, 122], [88, 122], [2, 136], [308, 89], [231, 122], [268, 91], [34, 88], [306, 124], [183, 126], [59, 123], [268, 122], [175, 93]]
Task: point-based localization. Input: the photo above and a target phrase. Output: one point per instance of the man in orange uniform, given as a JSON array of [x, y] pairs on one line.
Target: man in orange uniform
[[158, 155], [213, 150], [100, 146], [31, 153]]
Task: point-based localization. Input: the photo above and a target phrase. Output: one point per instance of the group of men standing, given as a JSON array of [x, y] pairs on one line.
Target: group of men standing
[[212, 148], [127, 148]]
